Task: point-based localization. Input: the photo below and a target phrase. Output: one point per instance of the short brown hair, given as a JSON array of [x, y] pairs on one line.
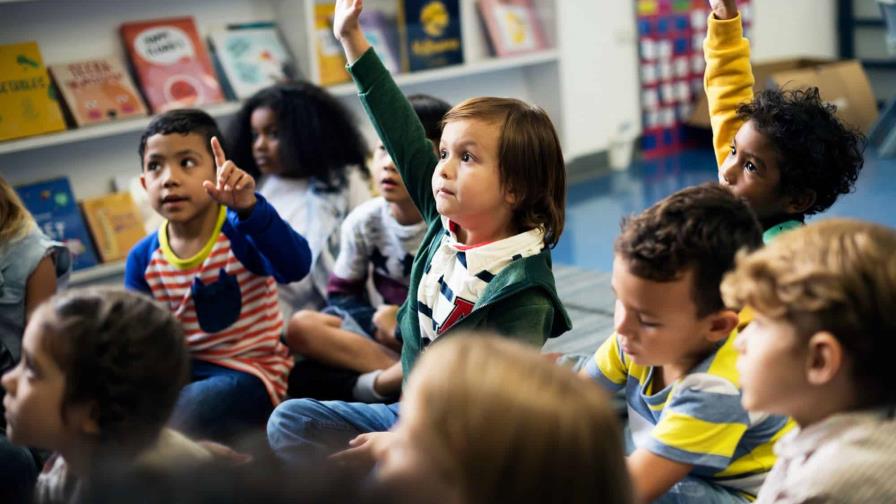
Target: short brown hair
[[699, 228], [530, 161], [507, 425], [122, 352], [836, 275]]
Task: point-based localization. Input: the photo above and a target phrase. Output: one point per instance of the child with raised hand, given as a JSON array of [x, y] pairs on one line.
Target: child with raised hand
[[673, 352], [820, 349], [356, 334], [493, 200], [786, 152], [524, 431], [31, 265], [215, 263], [99, 374], [309, 158]]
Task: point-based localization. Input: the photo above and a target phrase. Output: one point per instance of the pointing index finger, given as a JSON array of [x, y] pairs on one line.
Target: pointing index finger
[[218, 151]]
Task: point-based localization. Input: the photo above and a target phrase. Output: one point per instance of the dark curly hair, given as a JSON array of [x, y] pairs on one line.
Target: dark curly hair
[[699, 228], [183, 122], [319, 137], [122, 352], [816, 151]]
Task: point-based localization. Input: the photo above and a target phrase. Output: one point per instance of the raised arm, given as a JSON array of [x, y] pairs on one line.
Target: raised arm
[[729, 77], [390, 112]]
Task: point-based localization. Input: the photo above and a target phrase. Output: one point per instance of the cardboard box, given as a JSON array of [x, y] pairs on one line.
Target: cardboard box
[[843, 83]]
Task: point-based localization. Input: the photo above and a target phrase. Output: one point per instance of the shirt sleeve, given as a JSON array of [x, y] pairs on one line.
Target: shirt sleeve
[[702, 423], [728, 79], [609, 366]]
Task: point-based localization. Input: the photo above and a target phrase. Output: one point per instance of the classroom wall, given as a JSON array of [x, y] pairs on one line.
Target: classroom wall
[[786, 28]]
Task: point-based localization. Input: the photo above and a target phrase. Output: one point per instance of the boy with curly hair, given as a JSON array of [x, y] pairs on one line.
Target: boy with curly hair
[[785, 152]]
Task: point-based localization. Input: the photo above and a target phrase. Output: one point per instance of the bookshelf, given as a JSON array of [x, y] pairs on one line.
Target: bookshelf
[[583, 80]]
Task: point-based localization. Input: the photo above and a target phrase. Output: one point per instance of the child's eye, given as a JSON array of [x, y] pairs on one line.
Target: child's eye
[[466, 158], [750, 167], [152, 166], [273, 134], [648, 323], [443, 154], [188, 162], [732, 149]]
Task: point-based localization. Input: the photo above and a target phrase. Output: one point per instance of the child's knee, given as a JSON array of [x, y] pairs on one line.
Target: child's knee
[[299, 330]]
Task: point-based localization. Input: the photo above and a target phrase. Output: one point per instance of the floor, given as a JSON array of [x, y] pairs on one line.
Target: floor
[[596, 206]]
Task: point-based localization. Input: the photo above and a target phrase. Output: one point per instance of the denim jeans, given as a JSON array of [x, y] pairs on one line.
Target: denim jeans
[[301, 431], [221, 403]]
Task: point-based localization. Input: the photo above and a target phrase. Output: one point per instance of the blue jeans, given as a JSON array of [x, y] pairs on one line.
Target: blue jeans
[[221, 403], [301, 431]]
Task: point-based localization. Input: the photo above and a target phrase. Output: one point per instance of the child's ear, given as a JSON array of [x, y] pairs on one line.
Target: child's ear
[[824, 358], [143, 181], [801, 202], [721, 323], [83, 417]]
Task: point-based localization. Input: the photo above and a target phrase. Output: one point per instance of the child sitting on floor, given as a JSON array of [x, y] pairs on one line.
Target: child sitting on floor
[[820, 349]]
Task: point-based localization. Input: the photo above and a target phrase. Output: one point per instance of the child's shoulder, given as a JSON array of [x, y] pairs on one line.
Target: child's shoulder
[[374, 208]]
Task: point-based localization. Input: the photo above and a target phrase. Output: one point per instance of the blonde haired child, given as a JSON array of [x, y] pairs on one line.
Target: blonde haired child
[[31, 265], [99, 375], [486, 419], [820, 350], [493, 200]]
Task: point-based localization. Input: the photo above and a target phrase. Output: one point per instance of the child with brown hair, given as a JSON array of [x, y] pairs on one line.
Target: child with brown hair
[[785, 152], [820, 349], [673, 355], [485, 419], [99, 375], [493, 200]]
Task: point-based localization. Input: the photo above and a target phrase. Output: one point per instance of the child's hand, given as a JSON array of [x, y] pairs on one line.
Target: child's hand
[[724, 9], [347, 29], [385, 319], [235, 188], [364, 449]]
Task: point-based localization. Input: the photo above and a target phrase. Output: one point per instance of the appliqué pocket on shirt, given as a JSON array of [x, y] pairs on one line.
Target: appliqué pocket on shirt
[[218, 304]]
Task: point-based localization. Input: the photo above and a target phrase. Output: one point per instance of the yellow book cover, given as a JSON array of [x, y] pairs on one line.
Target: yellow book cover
[[330, 59], [28, 101], [115, 224]]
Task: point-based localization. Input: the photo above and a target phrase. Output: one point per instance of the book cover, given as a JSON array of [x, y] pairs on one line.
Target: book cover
[[251, 57], [97, 90], [115, 224], [56, 212], [330, 58], [28, 101], [382, 33], [513, 26], [432, 33], [171, 64]]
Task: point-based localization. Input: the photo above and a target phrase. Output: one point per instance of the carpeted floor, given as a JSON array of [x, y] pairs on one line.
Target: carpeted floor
[[589, 301]]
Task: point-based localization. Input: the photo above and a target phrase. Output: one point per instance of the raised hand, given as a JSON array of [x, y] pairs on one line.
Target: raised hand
[[347, 28], [234, 188], [724, 9]]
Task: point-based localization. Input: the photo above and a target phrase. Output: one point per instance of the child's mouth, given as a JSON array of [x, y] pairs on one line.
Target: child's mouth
[[173, 199]]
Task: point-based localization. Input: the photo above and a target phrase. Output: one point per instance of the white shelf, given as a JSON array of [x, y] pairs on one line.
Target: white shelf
[[98, 272]]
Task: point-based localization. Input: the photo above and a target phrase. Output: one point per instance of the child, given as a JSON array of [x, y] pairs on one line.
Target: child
[[381, 235], [784, 151], [820, 349], [493, 200], [99, 374], [303, 147], [214, 263], [673, 355], [525, 431], [31, 265]]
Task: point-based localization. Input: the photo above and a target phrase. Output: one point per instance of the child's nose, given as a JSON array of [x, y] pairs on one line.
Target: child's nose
[[728, 174], [9, 381], [170, 176]]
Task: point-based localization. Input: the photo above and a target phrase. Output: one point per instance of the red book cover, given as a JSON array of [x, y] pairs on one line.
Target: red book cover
[[171, 63]]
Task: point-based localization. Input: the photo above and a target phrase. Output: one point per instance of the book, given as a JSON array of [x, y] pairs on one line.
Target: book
[[432, 33], [29, 104], [513, 26], [251, 57], [330, 58], [97, 90], [115, 224], [56, 212], [381, 31], [171, 64]]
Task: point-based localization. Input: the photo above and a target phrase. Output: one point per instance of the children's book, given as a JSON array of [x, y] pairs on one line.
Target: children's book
[[28, 101], [97, 90], [382, 32], [251, 56], [513, 26], [56, 212], [330, 58], [171, 63], [115, 224], [432, 33]]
